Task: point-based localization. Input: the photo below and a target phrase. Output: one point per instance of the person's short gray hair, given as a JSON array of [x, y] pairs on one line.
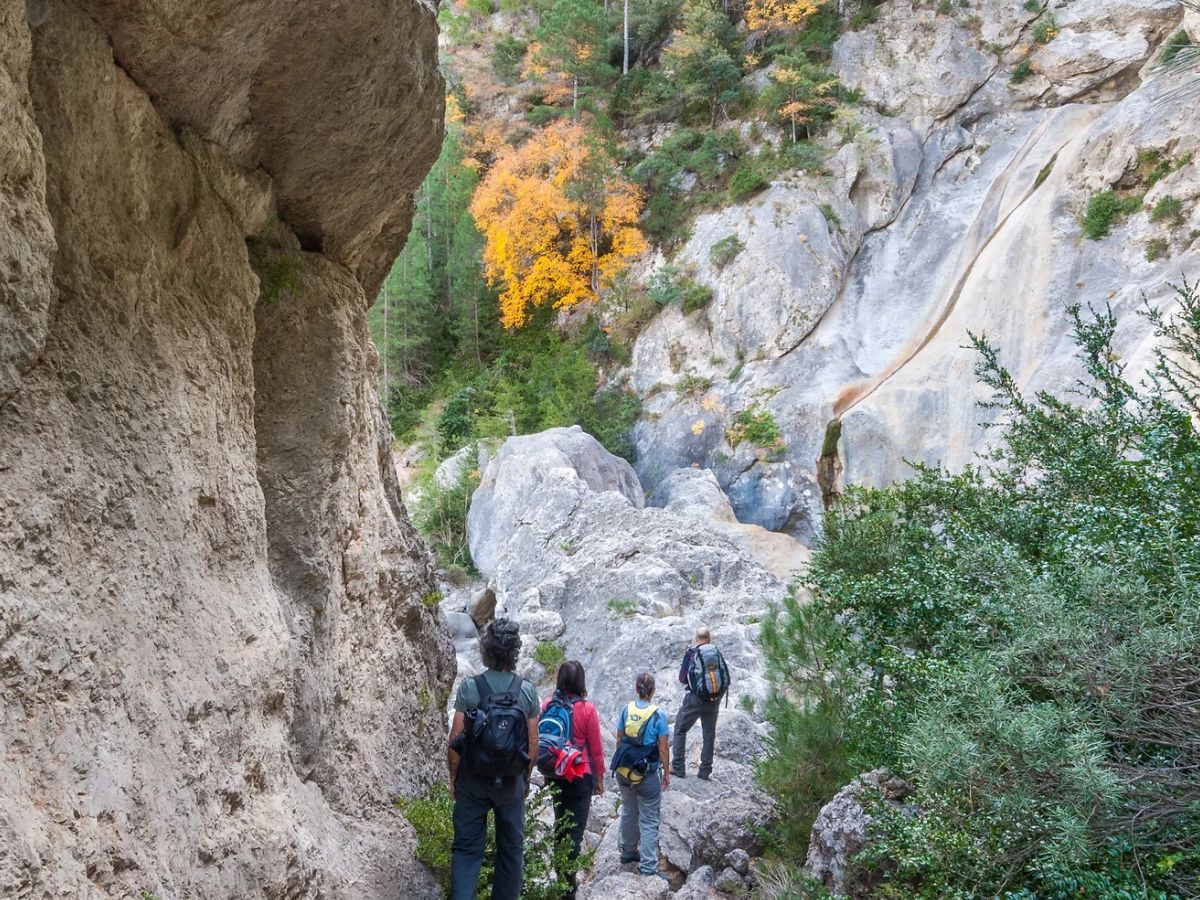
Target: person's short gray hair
[[702, 633]]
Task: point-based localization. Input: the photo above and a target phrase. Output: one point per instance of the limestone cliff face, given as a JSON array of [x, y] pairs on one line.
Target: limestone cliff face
[[952, 204], [215, 661]]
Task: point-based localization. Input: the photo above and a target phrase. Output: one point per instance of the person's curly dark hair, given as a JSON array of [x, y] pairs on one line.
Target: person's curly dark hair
[[500, 645]]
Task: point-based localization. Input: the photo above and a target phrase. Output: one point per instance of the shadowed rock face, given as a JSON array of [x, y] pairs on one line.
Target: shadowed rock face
[[216, 668], [339, 102]]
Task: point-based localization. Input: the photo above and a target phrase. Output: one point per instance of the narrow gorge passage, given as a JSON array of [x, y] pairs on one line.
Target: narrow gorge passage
[[332, 333]]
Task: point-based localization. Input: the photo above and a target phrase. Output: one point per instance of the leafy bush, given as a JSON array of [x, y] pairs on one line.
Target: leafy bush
[[1103, 211], [1168, 209], [456, 424], [1045, 29], [747, 180], [1021, 640], [623, 608], [441, 518], [547, 863], [507, 54], [1156, 249], [831, 216], [550, 654], [1020, 71], [757, 426], [725, 251], [1174, 44], [671, 285]]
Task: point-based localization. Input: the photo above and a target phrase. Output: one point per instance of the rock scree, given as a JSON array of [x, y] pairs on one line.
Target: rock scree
[[217, 668]]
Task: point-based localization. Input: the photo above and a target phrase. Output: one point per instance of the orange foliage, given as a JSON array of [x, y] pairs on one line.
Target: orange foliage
[[558, 222], [779, 14]]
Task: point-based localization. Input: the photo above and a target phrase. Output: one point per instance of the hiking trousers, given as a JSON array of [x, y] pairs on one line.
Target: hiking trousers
[[573, 800], [640, 809], [695, 709], [473, 798]]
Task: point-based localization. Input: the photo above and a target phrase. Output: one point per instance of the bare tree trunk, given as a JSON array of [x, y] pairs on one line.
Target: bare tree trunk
[[625, 61], [574, 91]]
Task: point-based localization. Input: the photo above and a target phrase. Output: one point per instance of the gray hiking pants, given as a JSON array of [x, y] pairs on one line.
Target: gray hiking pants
[[640, 806], [694, 709]]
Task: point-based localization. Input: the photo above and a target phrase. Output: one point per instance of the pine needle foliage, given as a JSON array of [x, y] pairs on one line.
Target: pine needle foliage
[[1020, 639]]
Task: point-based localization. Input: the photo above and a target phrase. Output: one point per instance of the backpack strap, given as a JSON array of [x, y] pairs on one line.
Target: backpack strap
[[483, 686]]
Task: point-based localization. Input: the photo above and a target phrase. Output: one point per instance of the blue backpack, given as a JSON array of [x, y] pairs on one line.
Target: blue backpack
[[556, 752]]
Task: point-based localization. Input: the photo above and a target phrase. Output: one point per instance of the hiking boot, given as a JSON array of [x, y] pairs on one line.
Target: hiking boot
[[626, 859], [705, 776], [675, 773]]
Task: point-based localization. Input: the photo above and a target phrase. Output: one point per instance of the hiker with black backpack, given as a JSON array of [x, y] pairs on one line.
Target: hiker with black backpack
[[493, 748], [640, 765], [571, 756], [706, 677]]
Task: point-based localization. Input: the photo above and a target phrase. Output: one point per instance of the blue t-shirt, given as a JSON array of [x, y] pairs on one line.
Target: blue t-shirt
[[657, 728]]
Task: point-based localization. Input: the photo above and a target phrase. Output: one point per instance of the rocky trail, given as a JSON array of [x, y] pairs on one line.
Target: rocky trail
[[567, 546], [221, 661]]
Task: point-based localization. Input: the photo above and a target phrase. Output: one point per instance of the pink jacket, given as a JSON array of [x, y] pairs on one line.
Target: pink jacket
[[585, 734]]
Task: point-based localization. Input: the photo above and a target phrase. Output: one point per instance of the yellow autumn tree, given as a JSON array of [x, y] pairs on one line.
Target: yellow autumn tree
[[559, 223], [779, 15]]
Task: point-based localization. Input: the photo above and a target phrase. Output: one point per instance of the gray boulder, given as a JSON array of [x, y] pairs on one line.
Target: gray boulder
[[626, 886], [696, 494], [842, 830], [508, 493]]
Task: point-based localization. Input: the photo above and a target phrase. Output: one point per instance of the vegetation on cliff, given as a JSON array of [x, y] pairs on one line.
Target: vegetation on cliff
[[511, 307], [1021, 640]]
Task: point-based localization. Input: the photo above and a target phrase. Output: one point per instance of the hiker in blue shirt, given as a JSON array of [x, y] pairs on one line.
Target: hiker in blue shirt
[[641, 765]]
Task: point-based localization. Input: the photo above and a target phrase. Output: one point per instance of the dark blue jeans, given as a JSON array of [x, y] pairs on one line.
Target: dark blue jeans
[[473, 798]]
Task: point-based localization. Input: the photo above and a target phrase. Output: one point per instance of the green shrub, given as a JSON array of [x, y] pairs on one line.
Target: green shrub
[[507, 55], [725, 251], [441, 518], [831, 216], [1103, 211], [692, 385], [1168, 209], [456, 424], [1045, 29], [432, 599], [1032, 6], [1020, 71], [1157, 249], [756, 425], [747, 180], [868, 14], [550, 654], [547, 863], [622, 608], [671, 285], [1021, 640], [1173, 45]]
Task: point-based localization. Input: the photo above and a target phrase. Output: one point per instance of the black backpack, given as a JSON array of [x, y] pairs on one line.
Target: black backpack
[[497, 744], [708, 676]]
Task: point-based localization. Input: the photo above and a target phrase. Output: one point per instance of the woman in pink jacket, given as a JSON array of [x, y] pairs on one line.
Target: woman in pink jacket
[[574, 798]]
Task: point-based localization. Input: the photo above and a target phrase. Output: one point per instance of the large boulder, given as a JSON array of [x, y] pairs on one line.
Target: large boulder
[[508, 492], [559, 529], [842, 830], [696, 494]]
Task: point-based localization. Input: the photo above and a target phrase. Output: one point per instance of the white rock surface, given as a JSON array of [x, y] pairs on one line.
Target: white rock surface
[[984, 238]]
